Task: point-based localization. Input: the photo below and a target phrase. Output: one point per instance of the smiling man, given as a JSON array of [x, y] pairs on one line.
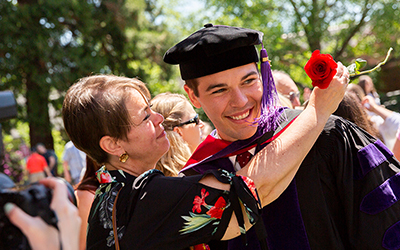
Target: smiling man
[[344, 196]]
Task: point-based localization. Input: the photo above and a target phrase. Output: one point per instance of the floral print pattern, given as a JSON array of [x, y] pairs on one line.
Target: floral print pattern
[[197, 220], [217, 210], [103, 176], [250, 184], [199, 201], [107, 193], [203, 213], [200, 247]]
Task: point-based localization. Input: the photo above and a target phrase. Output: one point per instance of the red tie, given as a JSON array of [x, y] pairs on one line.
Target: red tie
[[243, 158]]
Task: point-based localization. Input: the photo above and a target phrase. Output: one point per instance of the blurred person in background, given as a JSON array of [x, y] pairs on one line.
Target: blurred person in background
[[50, 156], [37, 167], [387, 121], [351, 109], [396, 147], [74, 161], [367, 85], [287, 87], [206, 130], [183, 127]]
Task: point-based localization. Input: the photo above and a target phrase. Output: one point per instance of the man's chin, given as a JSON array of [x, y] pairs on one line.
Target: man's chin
[[240, 136]]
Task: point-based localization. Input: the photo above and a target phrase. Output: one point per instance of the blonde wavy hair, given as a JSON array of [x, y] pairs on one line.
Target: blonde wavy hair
[[173, 107]]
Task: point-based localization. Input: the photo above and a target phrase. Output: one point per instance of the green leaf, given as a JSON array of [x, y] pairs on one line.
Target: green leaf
[[360, 63], [352, 68], [355, 67], [194, 222]]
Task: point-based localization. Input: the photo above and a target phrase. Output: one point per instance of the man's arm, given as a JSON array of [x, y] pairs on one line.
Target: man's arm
[[67, 175], [274, 167], [47, 171]]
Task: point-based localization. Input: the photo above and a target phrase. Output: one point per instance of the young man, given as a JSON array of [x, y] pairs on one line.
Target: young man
[[344, 196]]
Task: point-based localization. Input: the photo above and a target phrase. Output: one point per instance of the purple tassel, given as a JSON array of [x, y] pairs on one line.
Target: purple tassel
[[270, 112]]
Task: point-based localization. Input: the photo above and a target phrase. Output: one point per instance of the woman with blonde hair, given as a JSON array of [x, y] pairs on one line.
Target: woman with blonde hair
[[183, 128]]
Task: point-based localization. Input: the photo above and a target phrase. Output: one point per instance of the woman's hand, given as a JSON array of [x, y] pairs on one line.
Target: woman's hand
[[43, 236]]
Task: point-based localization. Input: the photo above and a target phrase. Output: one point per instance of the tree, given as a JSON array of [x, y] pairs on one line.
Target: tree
[[294, 28], [47, 45]]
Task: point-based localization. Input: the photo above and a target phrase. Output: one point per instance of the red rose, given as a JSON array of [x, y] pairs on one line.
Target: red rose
[[321, 68]]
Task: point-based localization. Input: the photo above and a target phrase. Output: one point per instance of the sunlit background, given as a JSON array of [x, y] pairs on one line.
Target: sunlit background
[[46, 45]]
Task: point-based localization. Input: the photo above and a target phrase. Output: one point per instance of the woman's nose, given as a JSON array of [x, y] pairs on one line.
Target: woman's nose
[[158, 118]]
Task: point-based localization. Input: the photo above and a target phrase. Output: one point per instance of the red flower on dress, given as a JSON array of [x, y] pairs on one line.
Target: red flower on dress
[[217, 210], [321, 68], [250, 184], [200, 201], [105, 178], [201, 247]]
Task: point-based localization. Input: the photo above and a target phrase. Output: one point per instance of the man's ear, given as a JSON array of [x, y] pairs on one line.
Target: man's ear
[[192, 96], [111, 146]]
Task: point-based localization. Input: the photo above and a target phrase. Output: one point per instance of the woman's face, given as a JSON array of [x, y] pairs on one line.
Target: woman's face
[[191, 133], [146, 141]]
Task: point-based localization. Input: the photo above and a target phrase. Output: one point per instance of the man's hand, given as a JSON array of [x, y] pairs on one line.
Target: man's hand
[[327, 100]]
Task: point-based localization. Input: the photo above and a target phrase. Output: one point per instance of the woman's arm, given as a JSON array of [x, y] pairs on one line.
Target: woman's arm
[[396, 147], [84, 201], [369, 103]]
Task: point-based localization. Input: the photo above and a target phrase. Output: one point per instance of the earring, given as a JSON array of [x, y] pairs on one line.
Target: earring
[[123, 157]]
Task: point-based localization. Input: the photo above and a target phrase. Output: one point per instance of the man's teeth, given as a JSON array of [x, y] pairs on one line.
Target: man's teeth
[[240, 117]]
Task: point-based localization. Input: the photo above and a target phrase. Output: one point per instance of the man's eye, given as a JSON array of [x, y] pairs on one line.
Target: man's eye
[[249, 81], [218, 91]]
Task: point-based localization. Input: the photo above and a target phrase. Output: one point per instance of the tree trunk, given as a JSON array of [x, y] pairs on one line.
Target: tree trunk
[[38, 114]]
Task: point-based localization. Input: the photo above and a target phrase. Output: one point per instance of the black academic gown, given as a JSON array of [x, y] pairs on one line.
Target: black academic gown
[[344, 196]]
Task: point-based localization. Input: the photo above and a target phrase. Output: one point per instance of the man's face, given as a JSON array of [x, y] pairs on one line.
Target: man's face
[[231, 99], [41, 149]]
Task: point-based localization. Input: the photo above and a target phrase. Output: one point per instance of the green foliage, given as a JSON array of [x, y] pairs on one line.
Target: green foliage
[[16, 148], [293, 29], [47, 45]]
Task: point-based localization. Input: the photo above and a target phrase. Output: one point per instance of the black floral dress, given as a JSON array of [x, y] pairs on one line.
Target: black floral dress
[[157, 212]]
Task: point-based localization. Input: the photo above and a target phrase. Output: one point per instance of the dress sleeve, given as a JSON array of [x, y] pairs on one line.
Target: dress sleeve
[[175, 213]]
